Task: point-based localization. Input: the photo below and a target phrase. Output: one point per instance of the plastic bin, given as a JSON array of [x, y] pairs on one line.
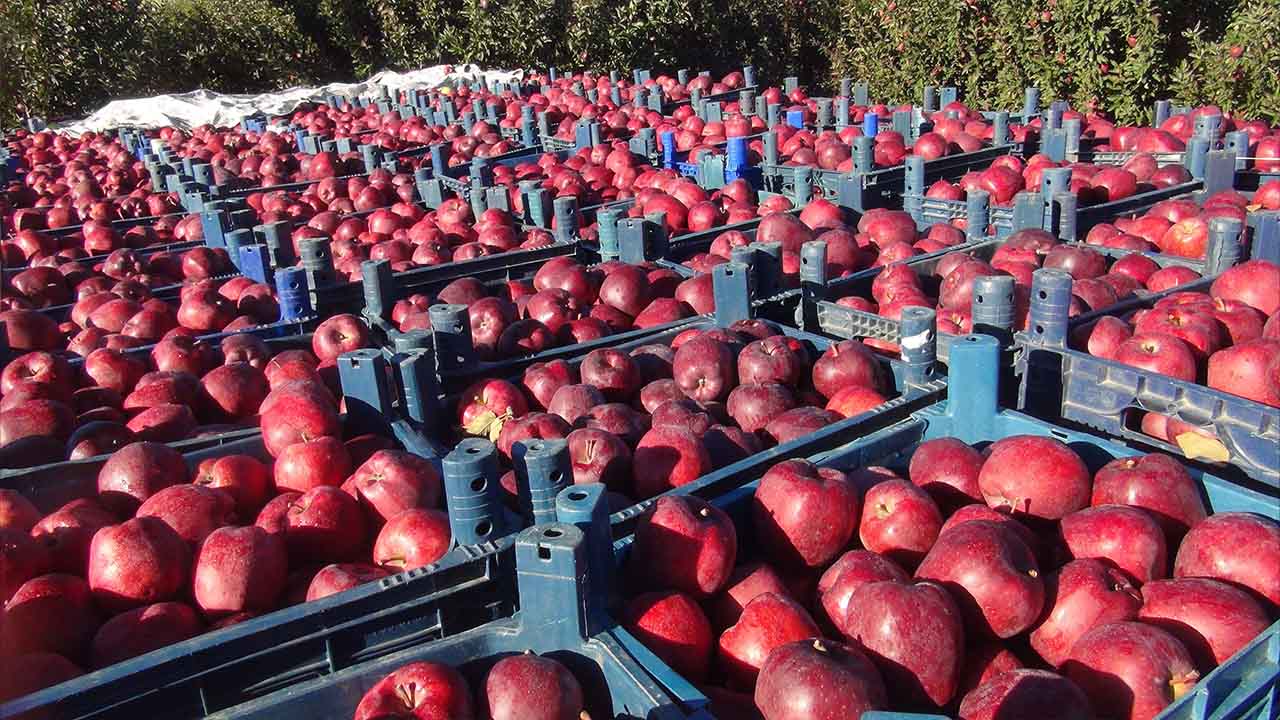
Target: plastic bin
[[469, 586], [819, 312], [1110, 397], [1245, 686], [561, 616]]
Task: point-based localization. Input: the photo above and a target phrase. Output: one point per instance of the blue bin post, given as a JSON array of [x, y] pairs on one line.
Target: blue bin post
[[747, 102], [668, 149], [255, 262], [317, 261], [973, 386], [378, 285], [846, 87], [365, 389], [536, 202], [771, 148], [913, 185], [451, 335], [528, 127], [438, 162], [1050, 306], [1224, 246], [795, 118], [1266, 236], [749, 75], [1197, 156], [607, 222], [1000, 129], [1237, 143], [977, 211], [766, 269], [292, 294], [730, 283], [1030, 104], [415, 370], [993, 308], [587, 508], [542, 470], [472, 487], [930, 99], [862, 93], [214, 221], [842, 112], [237, 239], [919, 344], [813, 282], [566, 225], [1162, 112]]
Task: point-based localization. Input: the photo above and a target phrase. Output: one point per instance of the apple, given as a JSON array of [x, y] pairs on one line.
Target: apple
[[136, 472], [992, 574], [914, 633], [138, 562], [1213, 619], [1250, 369], [1160, 353], [528, 686], [1080, 596], [753, 405], [233, 392], [1034, 477], [668, 457], [51, 613], [772, 359], [239, 569], [418, 689], [541, 380], [818, 680], [1237, 547], [672, 626], [1026, 693], [392, 481], [849, 572], [628, 424], [804, 515], [192, 511], [17, 512], [485, 406], [243, 477], [684, 544], [1127, 537], [948, 470], [599, 457], [306, 465], [143, 629], [338, 335], [333, 579], [298, 411], [323, 525], [1156, 483], [411, 539], [899, 521], [797, 423], [612, 372], [846, 363], [533, 426], [705, 369], [626, 289], [768, 621], [1132, 669]]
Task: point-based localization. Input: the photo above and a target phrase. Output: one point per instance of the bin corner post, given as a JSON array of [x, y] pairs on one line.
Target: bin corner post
[[1050, 305], [977, 212], [415, 371], [587, 507], [1224, 248], [566, 218], [363, 374], [542, 470], [732, 290], [972, 386], [919, 344], [555, 602], [472, 489], [293, 294], [813, 282], [1266, 236], [451, 336], [993, 307], [378, 287]]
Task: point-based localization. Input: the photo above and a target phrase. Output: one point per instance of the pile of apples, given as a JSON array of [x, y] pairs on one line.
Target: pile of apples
[[1099, 282], [519, 687], [1173, 134], [1180, 226], [663, 415], [185, 387], [64, 181], [1005, 582], [1227, 338], [161, 553]]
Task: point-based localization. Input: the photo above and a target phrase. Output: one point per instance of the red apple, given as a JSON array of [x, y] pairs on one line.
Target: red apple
[[673, 626], [1127, 537], [412, 539], [306, 465], [684, 544], [948, 470], [240, 569], [767, 622], [1132, 669], [193, 511], [528, 686], [899, 521], [1080, 596], [804, 515], [818, 680], [417, 690], [143, 629], [136, 563], [1240, 548], [1035, 477], [1156, 483], [668, 457], [136, 472], [1026, 693]]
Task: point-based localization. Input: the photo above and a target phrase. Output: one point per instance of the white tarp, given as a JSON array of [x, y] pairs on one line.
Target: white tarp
[[200, 107]]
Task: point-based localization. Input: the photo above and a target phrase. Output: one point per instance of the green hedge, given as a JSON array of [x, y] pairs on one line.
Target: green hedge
[[64, 57]]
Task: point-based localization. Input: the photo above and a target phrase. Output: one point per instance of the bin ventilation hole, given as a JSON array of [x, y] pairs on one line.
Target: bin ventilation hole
[[978, 298], [1039, 329], [483, 528], [479, 484], [557, 479], [544, 553], [473, 450], [552, 533], [577, 496], [1044, 295]]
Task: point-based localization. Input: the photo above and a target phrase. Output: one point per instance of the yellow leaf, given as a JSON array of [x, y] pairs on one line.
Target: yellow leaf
[[1196, 446]]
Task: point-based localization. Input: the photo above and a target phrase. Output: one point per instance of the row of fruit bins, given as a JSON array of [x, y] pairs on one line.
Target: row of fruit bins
[[372, 428]]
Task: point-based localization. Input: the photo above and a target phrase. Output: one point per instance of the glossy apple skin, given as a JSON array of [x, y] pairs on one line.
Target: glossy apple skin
[[668, 457], [948, 470], [239, 569], [1026, 694], [899, 521], [1080, 596], [1132, 669], [336, 578], [914, 634], [528, 686], [1156, 483], [1127, 537], [138, 562], [673, 626], [767, 622], [686, 544], [745, 584], [142, 630], [418, 690], [991, 573], [849, 572], [1213, 619], [804, 515], [818, 680], [1034, 477], [1159, 353], [1236, 547]]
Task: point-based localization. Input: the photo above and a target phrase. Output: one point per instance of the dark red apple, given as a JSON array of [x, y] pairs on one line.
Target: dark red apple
[[1240, 548], [239, 569], [139, 562], [804, 515], [1029, 694], [673, 626], [1132, 669], [1125, 536], [684, 544], [1156, 483], [1035, 477], [767, 622], [818, 680], [1080, 596]]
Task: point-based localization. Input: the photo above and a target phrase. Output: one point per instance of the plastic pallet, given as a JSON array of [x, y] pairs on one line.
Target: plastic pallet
[[1108, 396], [560, 617], [1242, 688]]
